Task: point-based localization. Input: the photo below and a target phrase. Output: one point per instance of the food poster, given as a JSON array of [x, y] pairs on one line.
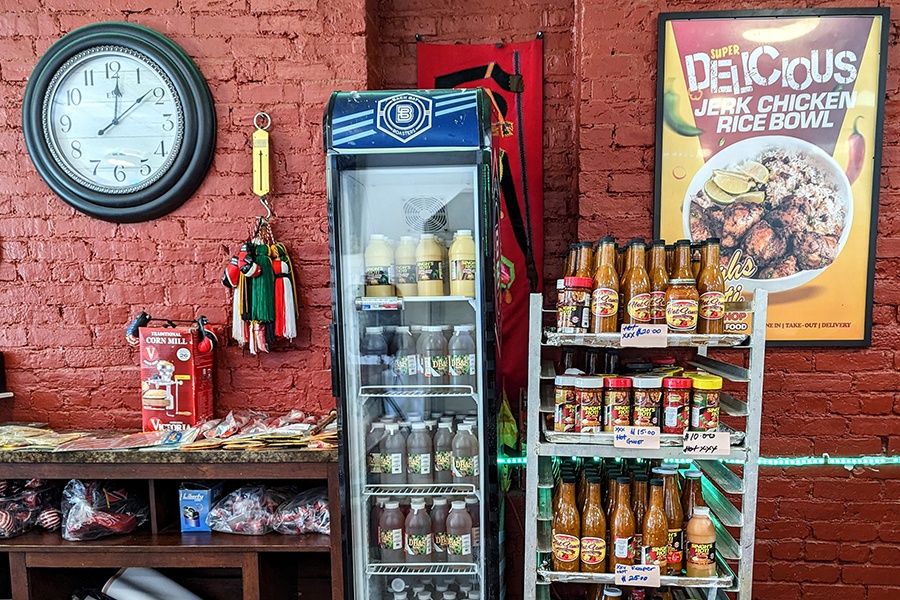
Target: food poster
[[769, 138]]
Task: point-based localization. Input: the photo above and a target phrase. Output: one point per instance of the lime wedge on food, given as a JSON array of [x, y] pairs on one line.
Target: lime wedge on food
[[731, 184], [736, 174], [754, 197], [757, 171], [717, 194]]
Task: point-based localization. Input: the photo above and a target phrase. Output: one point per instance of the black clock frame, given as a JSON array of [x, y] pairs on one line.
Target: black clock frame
[[197, 149]]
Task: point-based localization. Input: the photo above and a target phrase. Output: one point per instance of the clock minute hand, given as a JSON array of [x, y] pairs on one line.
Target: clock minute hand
[[125, 112]]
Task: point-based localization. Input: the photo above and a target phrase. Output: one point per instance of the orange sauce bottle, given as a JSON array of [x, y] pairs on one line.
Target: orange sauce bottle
[[605, 297], [593, 530], [659, 282], [635, 287], [566, 543], [711, 290], [622, 526]]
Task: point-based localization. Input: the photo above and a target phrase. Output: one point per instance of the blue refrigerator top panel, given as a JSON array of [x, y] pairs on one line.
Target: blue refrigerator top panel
[[405, 120]]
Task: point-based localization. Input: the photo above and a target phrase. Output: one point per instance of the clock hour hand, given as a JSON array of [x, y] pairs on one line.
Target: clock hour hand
[[125, 112], [117, 93]]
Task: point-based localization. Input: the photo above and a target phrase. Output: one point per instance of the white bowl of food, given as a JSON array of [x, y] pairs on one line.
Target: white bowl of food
[[779, 201]]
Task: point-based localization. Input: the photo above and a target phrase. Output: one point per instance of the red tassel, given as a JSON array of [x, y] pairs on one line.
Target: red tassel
[[278, 267]]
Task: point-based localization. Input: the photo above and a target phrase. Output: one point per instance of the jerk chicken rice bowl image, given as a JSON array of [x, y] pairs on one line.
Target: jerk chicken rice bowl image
[[781, 201]]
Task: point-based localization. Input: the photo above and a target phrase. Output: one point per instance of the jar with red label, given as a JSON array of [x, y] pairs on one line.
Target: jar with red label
[[676, 404], [616, 402], [646, 400], [681, 306], [565, 405], [705, 402], [574, 305], [589, 398]]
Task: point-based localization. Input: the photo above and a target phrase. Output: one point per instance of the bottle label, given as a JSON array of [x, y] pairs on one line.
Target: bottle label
[[442, 460], [657, 305], [462, 270], [459, 545], [430, 270], [701, 555], [589, 419], [712, 306], [676, 549], [379, 275], [440, 541], [705, 418], [406, 274], [391, 539], [655, 555], [404, 366], [435, 366], [605, 302], [476, 536], [376, 462], [418, 545], [418, 464], [644, 417], [593, 550], [623, 547], [639, 308], [393, 464], [462, 365], [566, 548], [681, 315], [464, 466]]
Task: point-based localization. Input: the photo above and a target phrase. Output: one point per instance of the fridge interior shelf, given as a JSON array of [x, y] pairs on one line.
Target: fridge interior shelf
[[423, 569], [396, 303], [408, 489], [723, 580], [614, 340], [417, 391], [607, 438]]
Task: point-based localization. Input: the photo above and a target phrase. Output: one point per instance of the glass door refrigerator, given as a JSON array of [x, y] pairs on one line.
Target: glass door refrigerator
[[413, 231]]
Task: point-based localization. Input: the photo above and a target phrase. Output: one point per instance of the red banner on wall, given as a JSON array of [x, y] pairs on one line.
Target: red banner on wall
[[513, 76]]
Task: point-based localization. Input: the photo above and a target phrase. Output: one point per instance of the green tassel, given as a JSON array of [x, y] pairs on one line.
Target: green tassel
[[263, 292]]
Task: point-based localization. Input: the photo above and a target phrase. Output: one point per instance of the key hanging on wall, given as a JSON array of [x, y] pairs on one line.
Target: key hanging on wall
[[264, 306]]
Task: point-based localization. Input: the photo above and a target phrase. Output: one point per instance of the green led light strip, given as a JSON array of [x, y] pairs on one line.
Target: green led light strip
[[764, 461]]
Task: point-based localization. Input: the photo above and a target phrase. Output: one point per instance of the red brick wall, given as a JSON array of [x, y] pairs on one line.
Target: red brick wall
[[69, 285]]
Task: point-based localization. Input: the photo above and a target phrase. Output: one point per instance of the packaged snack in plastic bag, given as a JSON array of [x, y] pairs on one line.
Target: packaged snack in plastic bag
[[22, 502], [306, 512], [93, 509], [249, 510]]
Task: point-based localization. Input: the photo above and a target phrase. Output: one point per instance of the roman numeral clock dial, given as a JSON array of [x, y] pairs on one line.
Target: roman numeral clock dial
[[123, 129]]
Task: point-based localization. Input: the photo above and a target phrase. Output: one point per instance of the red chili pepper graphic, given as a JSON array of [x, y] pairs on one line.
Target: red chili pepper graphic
[[857, 152]]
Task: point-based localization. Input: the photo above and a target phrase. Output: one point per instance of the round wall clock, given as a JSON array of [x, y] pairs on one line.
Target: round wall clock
[[119, 122]]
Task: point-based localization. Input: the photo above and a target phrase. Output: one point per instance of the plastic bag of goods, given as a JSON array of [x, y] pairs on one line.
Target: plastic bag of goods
[[94, 509], [249, 510], [25, 503], [307, 512]]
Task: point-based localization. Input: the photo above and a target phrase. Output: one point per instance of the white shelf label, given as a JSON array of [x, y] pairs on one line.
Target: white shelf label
[[638, 575], [636, 437], [707, 443], [643, 336]]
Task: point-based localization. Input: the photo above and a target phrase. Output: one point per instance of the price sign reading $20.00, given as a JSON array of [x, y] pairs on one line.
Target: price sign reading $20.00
[[638, 575], [707, 443], [643, 336]]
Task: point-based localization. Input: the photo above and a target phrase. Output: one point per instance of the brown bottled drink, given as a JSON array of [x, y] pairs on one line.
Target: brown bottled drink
[[566, 531], [692, 495], [659, 282], [675, 517], [593, 530], [655, 527], [635, 287], [605, 297], [681, 265], [639, 506], [711, 287], [622, 527]]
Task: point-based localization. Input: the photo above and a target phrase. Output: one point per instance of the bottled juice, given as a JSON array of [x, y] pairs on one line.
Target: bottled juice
[[375, 527], [593, 530], [433, 356], [475, 513], [417, 541], [405, 273], [459, 533], [462, 264], [391, 531], [404, 366], [464, 460], [700, 545], [373, 452], [622, 526], [372, 357], [418, 455], [655, 527], [379, 267], [566, 542], [443, 452], [429, 266], [393, 452], [462, 357], [439, 511]]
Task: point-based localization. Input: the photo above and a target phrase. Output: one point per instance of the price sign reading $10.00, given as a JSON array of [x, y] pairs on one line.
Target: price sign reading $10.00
[[636, 437], [707, 443], [638, 575]]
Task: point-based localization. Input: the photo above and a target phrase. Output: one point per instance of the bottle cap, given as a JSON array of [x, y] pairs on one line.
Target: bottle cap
[[441, 588], [713, 241], [431, 423], [644, 382], [402, 329], [407, 238], [471, 500], [426, 236], [392, 427], [458, 505], [446, 424], [382, 500], [701, 511], [462, 328], [589, 383], [618, 382], [400, 596], [374, 329], [683, 243], [398, 585], [692, 474], [449, 595], [612, 592], [578, 282], [432, 328], [377, 425], [417, 504], [464, 232], [677, 382], [641, 477], [464, 427], [707, 382], [418, 426], [392, 505], [376, 236], [439, 501], [623, 480], [656, 482], [608, 239], [659, 243]]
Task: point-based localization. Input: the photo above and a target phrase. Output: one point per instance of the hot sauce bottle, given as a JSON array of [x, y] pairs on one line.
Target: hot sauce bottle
[[593, 530], [622, 526], [639, 507], [659, 282], [675, 518], [605, 297], [566, 530], [655, 548], [692, 496], [711, 289], [636, 287]]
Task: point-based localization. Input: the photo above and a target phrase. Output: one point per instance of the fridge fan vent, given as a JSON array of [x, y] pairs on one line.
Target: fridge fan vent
[[425, 214]]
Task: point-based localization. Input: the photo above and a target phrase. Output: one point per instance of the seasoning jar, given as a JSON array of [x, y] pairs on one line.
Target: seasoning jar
[[676, 404], [647, 400], [682, 303], [589, 399], [565, 405], [616, 402], [705, 402], [574, 305]]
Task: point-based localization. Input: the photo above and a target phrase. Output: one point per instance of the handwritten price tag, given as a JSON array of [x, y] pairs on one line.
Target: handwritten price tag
[[707, 443], [636, 437], [639, 575], [643, 336]]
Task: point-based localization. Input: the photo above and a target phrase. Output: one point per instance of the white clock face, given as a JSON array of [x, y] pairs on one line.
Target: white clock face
[[113, 120]]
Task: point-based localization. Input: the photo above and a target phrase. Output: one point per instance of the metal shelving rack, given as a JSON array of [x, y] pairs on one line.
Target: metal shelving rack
[[735, 579]]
